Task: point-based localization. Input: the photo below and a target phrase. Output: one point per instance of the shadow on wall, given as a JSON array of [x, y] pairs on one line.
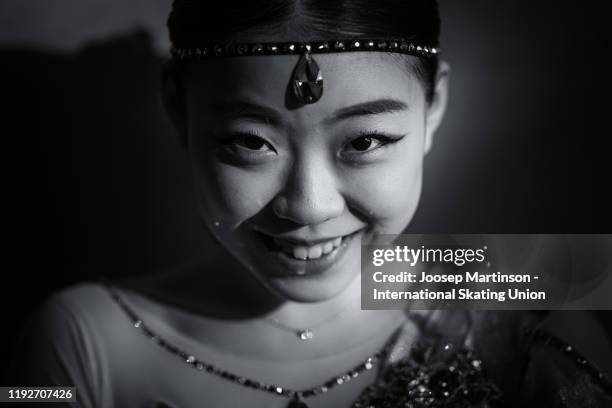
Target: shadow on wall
[[89, 180], [96, 182]]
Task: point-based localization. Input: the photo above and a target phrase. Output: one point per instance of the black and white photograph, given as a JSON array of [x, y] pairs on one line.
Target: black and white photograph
[[192, 188]]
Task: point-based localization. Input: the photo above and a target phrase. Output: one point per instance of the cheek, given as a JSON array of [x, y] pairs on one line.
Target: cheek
[[230, 195], [388, 194]]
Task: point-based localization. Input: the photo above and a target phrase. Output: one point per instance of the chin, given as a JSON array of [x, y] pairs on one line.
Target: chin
[[310, 281], [303, 280], [310, 289]]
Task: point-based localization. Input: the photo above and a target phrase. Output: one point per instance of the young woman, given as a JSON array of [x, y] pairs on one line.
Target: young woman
[[306, 123]]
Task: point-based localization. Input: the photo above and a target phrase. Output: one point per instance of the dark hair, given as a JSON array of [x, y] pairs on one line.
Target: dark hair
[[192, 22]]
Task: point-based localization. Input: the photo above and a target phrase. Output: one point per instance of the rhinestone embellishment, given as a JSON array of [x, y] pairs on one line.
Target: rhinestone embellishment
[[305, 334], [307, 81], [296, 397], [396, 45]]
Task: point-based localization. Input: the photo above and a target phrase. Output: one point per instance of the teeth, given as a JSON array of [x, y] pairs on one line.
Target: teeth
[[315, 252], [300, 252], [328, 247], [304, 252]]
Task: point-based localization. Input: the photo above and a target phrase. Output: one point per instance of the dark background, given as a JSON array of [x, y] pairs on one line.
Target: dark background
[[96, 182]]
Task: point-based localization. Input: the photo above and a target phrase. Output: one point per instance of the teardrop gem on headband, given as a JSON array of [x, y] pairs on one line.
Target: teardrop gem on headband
[[307, 79]]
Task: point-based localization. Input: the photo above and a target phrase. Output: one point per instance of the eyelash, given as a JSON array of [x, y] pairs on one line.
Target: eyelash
[[234, 141], [385, 139]]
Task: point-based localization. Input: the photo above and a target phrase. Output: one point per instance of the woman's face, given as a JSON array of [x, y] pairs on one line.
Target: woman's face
[[292, 192]]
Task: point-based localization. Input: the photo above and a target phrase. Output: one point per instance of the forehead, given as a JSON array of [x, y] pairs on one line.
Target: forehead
[[348, 79]]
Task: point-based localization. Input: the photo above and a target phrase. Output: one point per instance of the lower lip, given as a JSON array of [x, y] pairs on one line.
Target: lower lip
[[292, 267]]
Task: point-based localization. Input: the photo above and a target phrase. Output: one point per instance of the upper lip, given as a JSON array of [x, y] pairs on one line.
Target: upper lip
[[304, 241]]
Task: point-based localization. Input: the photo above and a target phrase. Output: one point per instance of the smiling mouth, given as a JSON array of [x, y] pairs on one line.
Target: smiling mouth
[[304, 252]]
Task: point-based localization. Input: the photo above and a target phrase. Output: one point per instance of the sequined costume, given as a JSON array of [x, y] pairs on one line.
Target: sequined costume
[[497, 359], [475, 359]]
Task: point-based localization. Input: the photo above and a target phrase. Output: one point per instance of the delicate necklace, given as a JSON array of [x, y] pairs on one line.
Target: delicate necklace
[[296, 396], [307, 333]]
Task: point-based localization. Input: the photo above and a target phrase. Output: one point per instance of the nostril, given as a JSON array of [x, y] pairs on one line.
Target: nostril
[[309, 207], [280, 207], [301, 213]]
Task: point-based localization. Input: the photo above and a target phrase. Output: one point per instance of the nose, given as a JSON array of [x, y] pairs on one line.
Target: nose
[[310, 195]]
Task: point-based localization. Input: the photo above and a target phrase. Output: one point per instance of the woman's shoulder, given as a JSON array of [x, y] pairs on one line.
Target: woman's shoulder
[[59, 344], [556, 359], [69, 306], [582, 331], [570, 358], [71, 310], [76, 309], [85, 296]]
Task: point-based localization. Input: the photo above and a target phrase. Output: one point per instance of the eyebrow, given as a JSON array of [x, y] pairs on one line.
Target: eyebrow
[[375, 107], [250, 110], [270, 116]]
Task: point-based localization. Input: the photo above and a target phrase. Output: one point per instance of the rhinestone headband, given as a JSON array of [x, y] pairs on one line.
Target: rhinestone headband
[[312, 47], [307, 80]]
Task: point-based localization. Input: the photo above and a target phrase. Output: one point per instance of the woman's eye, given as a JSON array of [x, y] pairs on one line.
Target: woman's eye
[[367, 147], [364, 143], [369, 142], [246, 149], [253, 142]]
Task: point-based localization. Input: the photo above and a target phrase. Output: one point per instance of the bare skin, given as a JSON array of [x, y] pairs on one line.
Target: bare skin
[[275, 184]]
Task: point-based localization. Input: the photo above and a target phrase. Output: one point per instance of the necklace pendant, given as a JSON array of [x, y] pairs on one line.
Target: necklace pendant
[[305, 334]]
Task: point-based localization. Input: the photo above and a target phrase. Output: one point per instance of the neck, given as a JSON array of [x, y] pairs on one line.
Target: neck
[[338, 325], [318, 314], [236, 300]]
